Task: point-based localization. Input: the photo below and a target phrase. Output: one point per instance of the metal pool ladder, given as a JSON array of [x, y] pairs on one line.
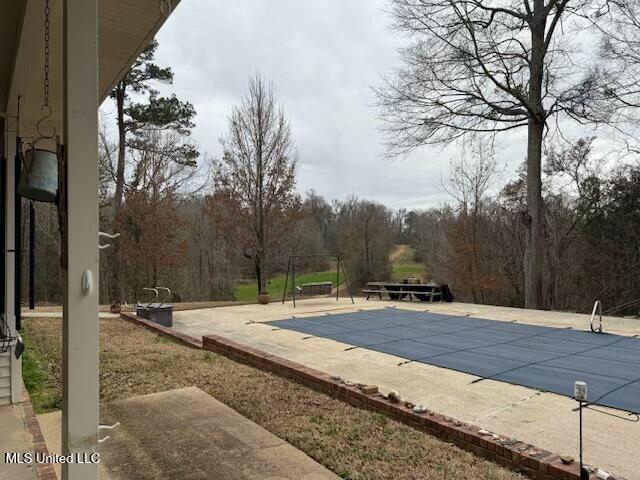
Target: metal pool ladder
[[597, 307]]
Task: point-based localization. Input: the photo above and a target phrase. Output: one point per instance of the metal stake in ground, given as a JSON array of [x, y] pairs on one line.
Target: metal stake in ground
[[580, 394]]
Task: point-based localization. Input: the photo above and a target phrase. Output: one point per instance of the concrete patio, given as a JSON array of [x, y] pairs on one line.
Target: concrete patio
[[544, 419], [15, 438], [188, 434]]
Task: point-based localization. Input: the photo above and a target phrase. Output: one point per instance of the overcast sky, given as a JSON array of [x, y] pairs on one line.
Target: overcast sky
[[323, 57]]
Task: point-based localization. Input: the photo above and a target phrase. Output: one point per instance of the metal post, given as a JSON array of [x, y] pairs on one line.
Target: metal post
[[581, 462], [32, 256], [338, 279], [584, 473], [293, 278], [284, 290], [80, 323], [346, 282]]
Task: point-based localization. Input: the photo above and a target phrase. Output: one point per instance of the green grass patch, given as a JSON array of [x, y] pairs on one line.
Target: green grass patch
[[403, 264], [275, 286], [45, 396], [402, 270], [163, 339]]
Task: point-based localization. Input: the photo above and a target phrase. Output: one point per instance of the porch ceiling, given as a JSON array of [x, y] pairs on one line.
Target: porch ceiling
[[125, 28], [10, 23]]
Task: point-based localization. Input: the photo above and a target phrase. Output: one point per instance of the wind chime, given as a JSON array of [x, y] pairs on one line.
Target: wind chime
[[39, 177]]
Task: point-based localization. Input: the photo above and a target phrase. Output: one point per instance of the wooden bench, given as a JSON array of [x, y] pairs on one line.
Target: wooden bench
[[316, 288], [398, 291]]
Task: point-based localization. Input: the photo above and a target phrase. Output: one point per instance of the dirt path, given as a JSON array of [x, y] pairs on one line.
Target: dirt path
[[399, 251]]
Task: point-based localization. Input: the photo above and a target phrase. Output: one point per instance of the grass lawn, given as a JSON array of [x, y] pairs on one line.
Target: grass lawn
[[41, 373], [400, 271], [354, 443], [249, 291]]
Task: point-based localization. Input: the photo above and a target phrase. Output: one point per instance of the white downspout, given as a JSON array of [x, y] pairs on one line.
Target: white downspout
[[10, 258]]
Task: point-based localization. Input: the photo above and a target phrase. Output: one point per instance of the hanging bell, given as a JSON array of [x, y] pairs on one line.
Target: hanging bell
[[40, 180]]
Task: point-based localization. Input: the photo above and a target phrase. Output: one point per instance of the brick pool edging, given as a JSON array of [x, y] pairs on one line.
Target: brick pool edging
[[44, 471], [536, 463]]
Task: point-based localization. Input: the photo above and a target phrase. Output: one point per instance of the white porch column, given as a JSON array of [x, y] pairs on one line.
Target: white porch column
[[80, 332], [10, 258]]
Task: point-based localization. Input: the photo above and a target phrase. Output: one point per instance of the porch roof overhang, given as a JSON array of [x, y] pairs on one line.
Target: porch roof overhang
[[125, 28]]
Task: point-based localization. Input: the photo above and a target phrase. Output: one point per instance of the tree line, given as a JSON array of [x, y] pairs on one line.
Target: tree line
[[476, 243], [590, 233], [559, 235]]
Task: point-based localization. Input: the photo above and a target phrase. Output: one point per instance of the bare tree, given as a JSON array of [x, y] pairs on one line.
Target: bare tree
[[149, 219], [255, 179], [568, 170], [107, 151], [476, 68], [471, 175], [469, 182], [365, 237], [619, 24]]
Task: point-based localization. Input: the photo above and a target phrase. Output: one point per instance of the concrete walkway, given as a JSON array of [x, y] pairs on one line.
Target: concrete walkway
[[543, 419], [188, 434], [14, 438]]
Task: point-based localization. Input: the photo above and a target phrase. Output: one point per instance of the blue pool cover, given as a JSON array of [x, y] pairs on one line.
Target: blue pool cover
[[545, 358]]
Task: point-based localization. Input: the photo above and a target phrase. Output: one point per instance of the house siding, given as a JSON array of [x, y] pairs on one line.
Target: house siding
[[5, 378]]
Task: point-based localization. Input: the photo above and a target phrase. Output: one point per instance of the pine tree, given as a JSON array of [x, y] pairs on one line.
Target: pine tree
[[149, 111]]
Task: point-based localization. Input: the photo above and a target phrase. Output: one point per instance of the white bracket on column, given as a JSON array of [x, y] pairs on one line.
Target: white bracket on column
[[107, 427], [87, 282], [106, 235]]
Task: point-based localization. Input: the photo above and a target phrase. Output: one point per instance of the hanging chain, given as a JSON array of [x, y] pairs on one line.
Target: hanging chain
[[46, 53], [46, 108]]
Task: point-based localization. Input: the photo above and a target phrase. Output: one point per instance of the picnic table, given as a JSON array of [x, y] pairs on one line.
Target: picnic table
[[397, 291]]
